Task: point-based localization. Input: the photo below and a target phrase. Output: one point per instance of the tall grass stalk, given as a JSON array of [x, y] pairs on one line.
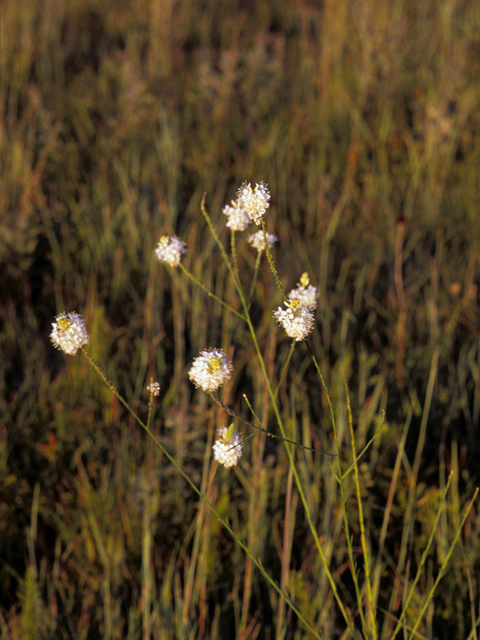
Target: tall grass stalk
[[441, 573], [371, 622]]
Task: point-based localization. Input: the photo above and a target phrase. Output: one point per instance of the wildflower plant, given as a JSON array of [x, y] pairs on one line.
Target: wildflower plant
[[210, 370], [305, 293], [170, 250], [257, 240], [154, 388], [238, 218], [69, 333], [213, 367], [254, 201], [296, 319], [228, 449]]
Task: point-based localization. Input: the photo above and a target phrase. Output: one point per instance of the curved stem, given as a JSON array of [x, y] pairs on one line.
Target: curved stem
[[257, 562]]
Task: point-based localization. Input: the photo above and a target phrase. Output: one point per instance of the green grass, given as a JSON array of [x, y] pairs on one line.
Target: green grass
[[363, 119]]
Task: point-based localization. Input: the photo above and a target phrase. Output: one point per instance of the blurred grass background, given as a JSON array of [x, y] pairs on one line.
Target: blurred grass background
[[363, 118]]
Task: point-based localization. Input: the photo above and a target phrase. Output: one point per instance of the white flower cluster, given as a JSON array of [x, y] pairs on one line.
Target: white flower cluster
[[210, 370], [69, 332], [295, 319], [228, 452], [212, 367], [258, 242], [306, 296], [238, 218], [170, 250], [254, 201], [154, 388]]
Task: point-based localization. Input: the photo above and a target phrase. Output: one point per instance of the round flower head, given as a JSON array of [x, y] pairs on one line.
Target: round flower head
[[228, 449], [258, 242], [69, 332], [154, 388], [305, 293], [238, 218], [210, 370], [170, 250], [254, 201], [296, 320]]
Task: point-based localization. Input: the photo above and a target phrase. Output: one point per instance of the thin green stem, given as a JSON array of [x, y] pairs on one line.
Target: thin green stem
[[365, 448], [424, 557], [276, 410], [342, 497], [256, 562], [251, 409], [212, 476], [233, 414], [363, 539], [389, 503], [209, 293], [218, 241], [444, 564], [285, 367], [150, 410], [473, 633], [233, 244], [271, 263], [254, 278], [295, 473], [412, 481]]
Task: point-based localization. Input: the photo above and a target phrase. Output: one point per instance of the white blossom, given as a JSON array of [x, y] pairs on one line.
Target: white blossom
[[228, 449], [154, 388], [306, 296], [258, 242], [170, 249], [305, 293], [254, 201], [295, 319], [69, 332], [210, 370], [238, 218]]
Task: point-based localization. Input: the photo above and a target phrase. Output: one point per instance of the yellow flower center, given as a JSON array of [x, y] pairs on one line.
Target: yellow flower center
[[293, 304], [64, 324], [215, 364]]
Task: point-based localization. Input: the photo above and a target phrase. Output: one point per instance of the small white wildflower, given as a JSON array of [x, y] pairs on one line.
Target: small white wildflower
[[154, 388], [210, 370], [228, 449], [296, 320], [306, 296], [257, 240], [305, 293], [254, 201], [170, 250], [69, 332], [238, 218]]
